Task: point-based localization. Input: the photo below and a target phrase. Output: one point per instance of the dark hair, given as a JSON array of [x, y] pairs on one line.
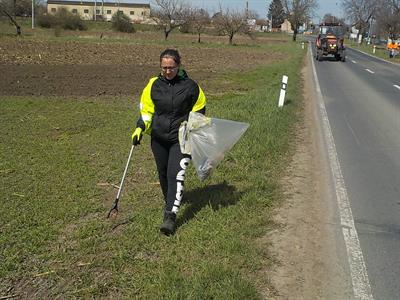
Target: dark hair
[[172, 53]]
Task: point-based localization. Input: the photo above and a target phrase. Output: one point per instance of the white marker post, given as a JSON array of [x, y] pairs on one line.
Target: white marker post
[[302, 45], [374, 49], [283, 91]]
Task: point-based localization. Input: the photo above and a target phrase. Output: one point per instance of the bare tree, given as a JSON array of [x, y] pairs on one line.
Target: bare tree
[[230, 23], [198, 21], [23, 7], [329, 18], [7, 5], [387, 16], [7, 8], [299, 12], [170, 14], [360, 12]]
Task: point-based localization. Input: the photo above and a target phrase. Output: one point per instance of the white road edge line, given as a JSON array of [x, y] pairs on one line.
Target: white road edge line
[[358, 270], [396, 86], [352, 131], [368, 70]]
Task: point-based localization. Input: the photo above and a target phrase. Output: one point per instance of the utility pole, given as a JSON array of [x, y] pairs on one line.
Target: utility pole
[[270, 28], [95, 9], [33, 14], [269, 16]]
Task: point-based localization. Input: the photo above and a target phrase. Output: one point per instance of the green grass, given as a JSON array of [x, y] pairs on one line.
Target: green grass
[[380, 50], [60, 157]]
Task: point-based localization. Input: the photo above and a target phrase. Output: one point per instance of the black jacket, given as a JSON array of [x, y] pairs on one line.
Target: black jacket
[[169, 103]]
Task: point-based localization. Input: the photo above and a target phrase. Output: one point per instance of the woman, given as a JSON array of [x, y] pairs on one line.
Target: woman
[[165, 103]]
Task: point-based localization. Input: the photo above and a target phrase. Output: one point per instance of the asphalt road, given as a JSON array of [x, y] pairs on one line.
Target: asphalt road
[[362, 100]]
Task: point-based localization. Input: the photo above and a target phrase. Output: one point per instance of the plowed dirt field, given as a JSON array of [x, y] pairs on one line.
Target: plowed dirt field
[[87, 68]]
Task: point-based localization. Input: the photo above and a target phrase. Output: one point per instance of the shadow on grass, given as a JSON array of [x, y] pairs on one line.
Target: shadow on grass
[[288, 101], [217, 196]]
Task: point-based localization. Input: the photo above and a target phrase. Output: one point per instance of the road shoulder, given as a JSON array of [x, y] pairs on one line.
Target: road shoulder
[[306, 242]]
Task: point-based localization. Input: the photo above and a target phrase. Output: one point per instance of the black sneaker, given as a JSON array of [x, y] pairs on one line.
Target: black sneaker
[[169, 225]]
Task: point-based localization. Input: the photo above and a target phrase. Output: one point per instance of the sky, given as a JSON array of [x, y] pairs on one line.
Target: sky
[[259, 6]]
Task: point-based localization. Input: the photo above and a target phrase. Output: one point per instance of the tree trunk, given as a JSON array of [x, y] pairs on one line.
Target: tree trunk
[[18, 28], [198, 40], [294, 34], [166, 33], [230, 39]]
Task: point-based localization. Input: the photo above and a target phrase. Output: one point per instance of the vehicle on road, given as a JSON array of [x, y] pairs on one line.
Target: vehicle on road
[[330, 41]]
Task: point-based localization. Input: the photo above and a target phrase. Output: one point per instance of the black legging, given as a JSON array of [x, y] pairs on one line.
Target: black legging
[[171, 166]]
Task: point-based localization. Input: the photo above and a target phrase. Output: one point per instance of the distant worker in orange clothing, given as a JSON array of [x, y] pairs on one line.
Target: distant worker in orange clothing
[[393, 48]]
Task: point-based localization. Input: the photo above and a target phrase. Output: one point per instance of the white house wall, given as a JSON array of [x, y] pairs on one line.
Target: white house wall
[[86, 12]]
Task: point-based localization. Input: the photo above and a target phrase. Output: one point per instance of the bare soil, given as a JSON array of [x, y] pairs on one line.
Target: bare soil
[[76, 68]]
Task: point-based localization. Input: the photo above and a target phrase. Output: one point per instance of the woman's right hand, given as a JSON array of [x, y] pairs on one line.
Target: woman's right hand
[[137, 136]]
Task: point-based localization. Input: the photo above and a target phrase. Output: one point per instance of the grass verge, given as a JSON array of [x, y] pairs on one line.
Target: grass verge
[[60, 159], [380, 50]]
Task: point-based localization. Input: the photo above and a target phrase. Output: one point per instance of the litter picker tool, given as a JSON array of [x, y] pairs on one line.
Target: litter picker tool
[[114, 209]]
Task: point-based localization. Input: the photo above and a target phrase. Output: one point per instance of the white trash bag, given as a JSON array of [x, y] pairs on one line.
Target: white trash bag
[[207, 140]]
